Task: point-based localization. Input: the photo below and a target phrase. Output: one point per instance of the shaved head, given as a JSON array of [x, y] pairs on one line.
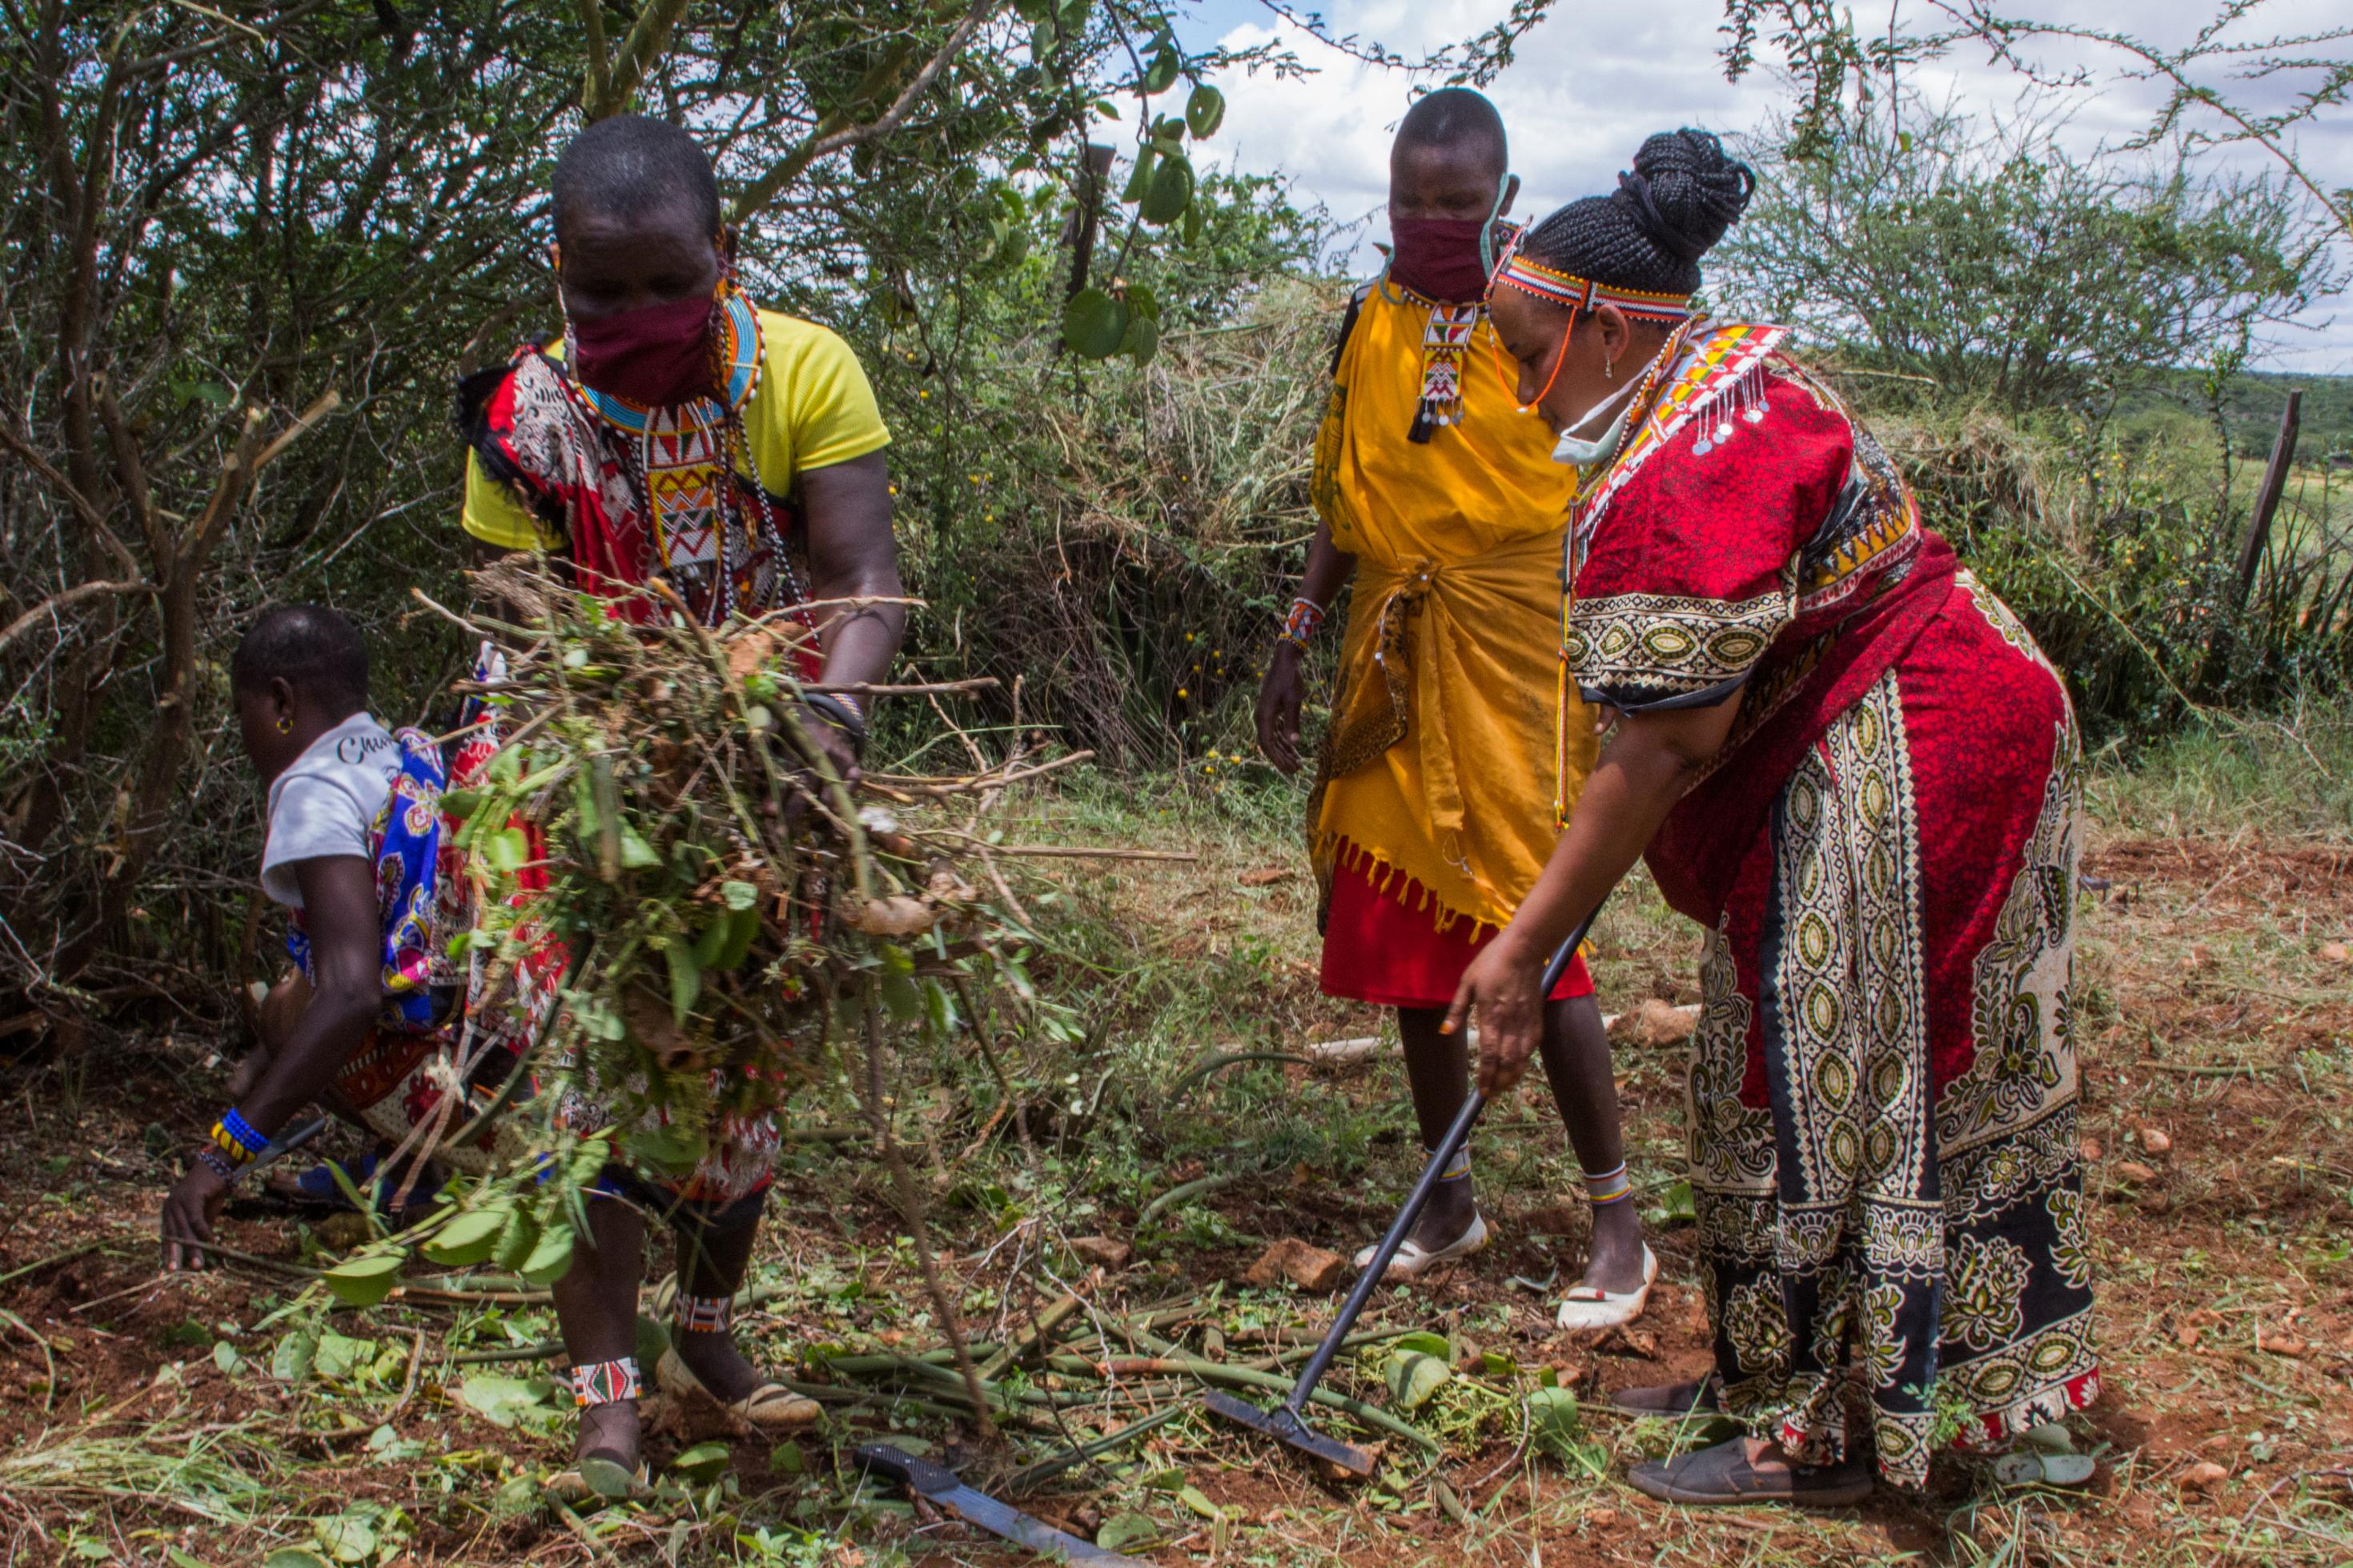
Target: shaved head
[[1458, 123], [630, 165]]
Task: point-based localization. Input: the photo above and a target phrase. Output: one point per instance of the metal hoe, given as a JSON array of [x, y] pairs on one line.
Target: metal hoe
[[934, 1484], [1287, 1422]]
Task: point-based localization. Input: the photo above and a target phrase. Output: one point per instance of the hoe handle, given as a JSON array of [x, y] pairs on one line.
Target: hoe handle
[[1456, 1136]]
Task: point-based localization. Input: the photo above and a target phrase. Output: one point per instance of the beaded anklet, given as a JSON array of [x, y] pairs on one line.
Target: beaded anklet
[[1609, 1186], [605, 1381], [1458, 1167], [702, 1314]]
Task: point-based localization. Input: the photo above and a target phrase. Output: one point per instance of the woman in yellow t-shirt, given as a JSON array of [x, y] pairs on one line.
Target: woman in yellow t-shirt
[[681, 435]]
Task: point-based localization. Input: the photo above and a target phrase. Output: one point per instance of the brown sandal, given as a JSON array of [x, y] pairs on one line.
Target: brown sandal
[[1723, 1475], [1674, 1401], [771, 1406]]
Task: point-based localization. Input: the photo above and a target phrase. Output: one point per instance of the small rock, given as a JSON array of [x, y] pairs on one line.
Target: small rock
[[1309, 1267], [2155, 1141], [1107, 1252], [1654, 1024], [2091, 1147], [1357, 1048], [1602, 1517], [2133, 1171], [2186, 1336], [2204, 1475], [2335, 951], [1633, 1341]]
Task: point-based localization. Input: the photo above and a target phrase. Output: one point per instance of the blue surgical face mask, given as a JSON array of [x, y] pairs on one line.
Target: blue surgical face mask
[[1583, 452]]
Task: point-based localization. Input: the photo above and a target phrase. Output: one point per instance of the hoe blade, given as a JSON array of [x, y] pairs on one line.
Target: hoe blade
[[1283, 1424]]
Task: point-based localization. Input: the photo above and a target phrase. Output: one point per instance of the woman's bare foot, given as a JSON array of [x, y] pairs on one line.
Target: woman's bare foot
[[1614, 1262]]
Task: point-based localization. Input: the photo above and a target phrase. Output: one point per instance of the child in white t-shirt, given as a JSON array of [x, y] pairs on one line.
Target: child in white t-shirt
[[301, 685]]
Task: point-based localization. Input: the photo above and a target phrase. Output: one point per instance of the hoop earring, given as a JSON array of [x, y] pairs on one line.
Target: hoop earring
[[285, 724]]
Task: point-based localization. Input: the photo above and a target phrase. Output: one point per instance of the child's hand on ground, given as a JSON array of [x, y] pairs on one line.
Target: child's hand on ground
[[189, 1211]]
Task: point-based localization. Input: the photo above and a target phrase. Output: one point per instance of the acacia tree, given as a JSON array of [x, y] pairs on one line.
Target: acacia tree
[[247, 253], [1992, 262]]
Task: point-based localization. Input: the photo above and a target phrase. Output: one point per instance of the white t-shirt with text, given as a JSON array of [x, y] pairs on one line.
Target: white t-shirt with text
[[326, 802]]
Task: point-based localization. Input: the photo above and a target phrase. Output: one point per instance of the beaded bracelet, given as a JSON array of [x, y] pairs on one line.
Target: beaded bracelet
[[238, 1138], [216, 1161], [837, 709], [1300, 624]]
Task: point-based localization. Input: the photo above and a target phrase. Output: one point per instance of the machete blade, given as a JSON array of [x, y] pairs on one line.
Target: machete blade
[[935, 1484]]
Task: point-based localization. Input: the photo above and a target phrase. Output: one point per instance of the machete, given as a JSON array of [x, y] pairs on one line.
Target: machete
[[933, 1484]]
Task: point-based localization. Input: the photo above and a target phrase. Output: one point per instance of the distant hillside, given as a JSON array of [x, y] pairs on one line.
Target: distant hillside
[[2252, 409]]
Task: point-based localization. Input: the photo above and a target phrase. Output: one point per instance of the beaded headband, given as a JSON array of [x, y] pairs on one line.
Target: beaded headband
[[1576, 293]]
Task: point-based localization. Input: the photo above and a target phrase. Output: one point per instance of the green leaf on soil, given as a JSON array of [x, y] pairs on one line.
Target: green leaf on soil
[[504, 1401], [1423, 1342], [1193, 1498], [347, 1537], [340, 1355], [1124, 1530], [291, 1361], [1413, 1377], [702, 1462], [1554, 1421], [291, 1557]]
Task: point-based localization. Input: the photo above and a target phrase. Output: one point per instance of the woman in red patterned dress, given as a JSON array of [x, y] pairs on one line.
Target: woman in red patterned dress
[[1849, 762]]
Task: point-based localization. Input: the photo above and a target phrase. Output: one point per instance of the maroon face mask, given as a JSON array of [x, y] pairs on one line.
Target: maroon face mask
[[1437, 257], [656, 354]]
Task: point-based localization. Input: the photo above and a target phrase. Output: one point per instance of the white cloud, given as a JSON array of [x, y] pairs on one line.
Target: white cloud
[[1590, 82]]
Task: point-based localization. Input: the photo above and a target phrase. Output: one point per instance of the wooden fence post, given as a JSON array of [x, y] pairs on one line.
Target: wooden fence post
[[2267, 499]]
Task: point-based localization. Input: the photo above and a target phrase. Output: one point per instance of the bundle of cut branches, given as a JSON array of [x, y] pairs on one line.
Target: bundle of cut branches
[[729, 908]]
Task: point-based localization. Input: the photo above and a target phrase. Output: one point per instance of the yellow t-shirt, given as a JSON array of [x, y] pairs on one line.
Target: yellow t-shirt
[[813, 407]]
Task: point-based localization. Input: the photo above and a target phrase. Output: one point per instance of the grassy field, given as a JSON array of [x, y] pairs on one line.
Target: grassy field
[[145, 1419]]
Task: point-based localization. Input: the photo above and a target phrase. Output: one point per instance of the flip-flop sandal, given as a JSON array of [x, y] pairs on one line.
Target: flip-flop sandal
[[771, 1406], [1413, 1259], [1723, 1476], [1591, 1306], [2028, 1469], [600, 1475], [1674, 1401]]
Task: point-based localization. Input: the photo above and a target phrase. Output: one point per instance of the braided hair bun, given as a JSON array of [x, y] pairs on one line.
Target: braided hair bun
[[1648, 235]]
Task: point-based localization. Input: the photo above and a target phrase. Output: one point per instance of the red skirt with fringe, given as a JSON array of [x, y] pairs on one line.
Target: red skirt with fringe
[[1382, 944]]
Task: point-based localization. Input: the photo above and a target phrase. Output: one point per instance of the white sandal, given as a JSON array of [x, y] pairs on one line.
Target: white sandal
[[1413, 1259], [1591, 1307]]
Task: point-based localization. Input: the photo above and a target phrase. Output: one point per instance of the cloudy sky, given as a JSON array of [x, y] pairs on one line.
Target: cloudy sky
[[1593, 80]]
